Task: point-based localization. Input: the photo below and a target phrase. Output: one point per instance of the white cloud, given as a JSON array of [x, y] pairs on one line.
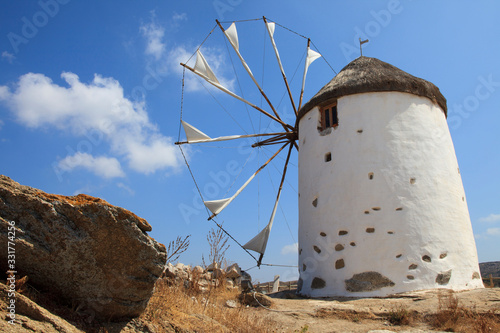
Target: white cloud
[[98, 111], [492, 218], [126, 188], [154, 38], [8, 56], [493, 231], [106, 167], [4, 93], [179, 17], [167, 60], [290, 249]]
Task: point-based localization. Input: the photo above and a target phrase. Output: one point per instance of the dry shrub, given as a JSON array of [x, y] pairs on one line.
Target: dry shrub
[[401, 316], [176, 307], [452, 317]]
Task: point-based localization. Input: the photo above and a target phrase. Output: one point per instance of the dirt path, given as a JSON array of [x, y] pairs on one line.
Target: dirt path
[[364, 315]]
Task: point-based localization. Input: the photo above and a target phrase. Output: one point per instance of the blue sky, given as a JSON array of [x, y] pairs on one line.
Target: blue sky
[[90, 96]]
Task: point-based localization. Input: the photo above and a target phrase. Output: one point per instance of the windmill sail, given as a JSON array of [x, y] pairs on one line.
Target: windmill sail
[[193, 134], [232, 35], [270, 29], [259, 242], [216, 206], [311, 56], [202, 67]]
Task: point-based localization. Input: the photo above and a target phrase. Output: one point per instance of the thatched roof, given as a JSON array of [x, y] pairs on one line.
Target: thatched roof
[[366, 74]]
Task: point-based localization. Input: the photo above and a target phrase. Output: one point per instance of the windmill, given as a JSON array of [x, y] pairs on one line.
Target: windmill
[[382, 208]]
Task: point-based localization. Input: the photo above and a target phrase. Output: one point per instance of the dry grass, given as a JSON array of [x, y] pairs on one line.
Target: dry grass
[[176, 307], [452, 317], [401, 317]]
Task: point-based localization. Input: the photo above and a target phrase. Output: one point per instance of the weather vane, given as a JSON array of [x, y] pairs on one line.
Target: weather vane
[[361, 42]]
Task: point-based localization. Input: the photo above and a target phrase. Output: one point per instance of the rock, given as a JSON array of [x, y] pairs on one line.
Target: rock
[[203, 285], [233, 271], [213, 266], [444, 277], [229, 283], [249, 299], [206, 276], [367, 281], [30, 316], [231, 304], [217, 273], [198, 270], [82, 249], [170, 271]]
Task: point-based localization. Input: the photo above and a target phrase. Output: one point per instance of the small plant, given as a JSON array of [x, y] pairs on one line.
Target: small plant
[[399, 316], [452, 317], [177, 247], [217, 240], [303, 329]]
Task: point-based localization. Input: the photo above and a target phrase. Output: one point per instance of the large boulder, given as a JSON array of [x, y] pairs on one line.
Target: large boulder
[[80, 248]]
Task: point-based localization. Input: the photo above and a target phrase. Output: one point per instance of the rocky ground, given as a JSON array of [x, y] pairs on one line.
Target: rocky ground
[[371, 314], [409, 312], [74, 272]]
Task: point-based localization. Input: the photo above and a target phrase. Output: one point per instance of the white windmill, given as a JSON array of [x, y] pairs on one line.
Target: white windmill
[[382, 208]]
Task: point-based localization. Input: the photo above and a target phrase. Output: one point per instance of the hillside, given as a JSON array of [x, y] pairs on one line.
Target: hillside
[[487, 268]]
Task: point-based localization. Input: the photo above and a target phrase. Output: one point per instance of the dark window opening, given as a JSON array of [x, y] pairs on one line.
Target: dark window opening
[[329, 116]]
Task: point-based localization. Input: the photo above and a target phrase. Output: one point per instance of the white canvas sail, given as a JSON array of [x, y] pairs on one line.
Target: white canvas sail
[[259, 242], [216, 206], [232, 35], [311, 56], [202, 67], [270, 29], [193, 134]]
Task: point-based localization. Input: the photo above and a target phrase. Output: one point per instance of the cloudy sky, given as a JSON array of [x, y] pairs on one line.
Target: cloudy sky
[[91, 95]]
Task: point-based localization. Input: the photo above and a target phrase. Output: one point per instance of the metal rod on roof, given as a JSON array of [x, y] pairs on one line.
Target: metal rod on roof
[[361, 42]]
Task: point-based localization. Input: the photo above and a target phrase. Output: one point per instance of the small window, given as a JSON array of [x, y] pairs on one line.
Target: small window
[[329, 116]]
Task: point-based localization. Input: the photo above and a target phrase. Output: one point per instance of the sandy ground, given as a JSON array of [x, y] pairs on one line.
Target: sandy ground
[[368, 314]]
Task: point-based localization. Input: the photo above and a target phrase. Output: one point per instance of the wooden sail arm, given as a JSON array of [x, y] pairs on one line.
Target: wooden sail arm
[[281, 66], [259, 262], [227, 138], [227, 91], [245, 65], [218, 205], [303, 80]]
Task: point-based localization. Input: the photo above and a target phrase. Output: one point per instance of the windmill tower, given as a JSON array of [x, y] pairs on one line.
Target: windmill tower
[[382, 208]]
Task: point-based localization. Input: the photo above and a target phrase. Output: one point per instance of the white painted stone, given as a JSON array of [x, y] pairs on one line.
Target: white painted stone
[[406, 145]]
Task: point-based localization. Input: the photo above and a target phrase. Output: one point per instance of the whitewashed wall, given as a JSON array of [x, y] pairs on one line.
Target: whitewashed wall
[[405, 229]]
